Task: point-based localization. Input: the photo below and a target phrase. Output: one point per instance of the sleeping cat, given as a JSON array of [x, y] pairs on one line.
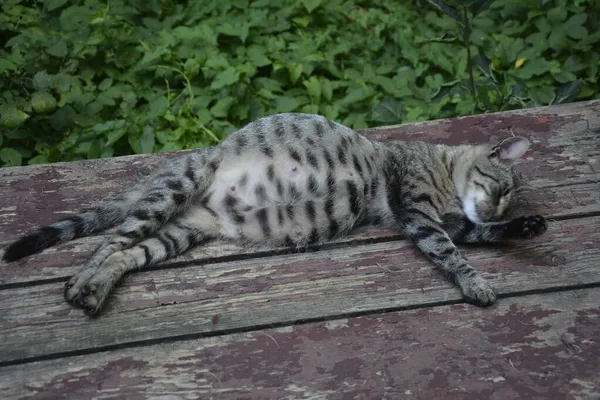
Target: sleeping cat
[[295, 179]]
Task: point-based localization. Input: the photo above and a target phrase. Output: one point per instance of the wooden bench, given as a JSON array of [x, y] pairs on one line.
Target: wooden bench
[[365, 317]]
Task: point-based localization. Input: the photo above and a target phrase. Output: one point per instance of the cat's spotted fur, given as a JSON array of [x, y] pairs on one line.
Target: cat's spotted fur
[[295, 179]]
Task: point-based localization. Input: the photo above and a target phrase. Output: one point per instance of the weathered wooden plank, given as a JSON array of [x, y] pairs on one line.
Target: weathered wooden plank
[[532, 347], [561, 176], [208, 299]]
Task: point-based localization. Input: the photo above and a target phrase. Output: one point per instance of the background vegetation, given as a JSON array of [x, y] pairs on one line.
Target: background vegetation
[[88, 79]]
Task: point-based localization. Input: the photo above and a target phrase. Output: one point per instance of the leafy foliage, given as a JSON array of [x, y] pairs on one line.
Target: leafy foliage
[[95, 79]]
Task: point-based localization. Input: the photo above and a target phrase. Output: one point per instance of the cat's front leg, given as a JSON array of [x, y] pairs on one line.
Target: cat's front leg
[[461, 230], [435, 243]]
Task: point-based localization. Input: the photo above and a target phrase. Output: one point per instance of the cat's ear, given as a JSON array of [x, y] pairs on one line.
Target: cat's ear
[[511, 149]]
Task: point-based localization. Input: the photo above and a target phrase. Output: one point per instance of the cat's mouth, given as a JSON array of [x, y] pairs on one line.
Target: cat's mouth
[[471, 209], [477, 213]]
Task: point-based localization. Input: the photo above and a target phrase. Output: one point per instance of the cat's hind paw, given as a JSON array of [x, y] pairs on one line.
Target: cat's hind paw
[[89, 289]]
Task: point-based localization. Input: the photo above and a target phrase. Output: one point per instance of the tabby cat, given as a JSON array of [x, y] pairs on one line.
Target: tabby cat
[[294, 179]]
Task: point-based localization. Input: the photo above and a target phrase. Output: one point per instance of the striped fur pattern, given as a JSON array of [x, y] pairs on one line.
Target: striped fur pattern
[[298, 179]]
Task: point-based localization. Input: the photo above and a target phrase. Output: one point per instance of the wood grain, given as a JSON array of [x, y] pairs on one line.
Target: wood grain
[[282, 290], [560, 175], [535, 347]]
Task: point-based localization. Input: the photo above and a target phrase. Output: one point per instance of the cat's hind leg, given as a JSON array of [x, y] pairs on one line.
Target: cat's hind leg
[[93, 287], [167, 194]]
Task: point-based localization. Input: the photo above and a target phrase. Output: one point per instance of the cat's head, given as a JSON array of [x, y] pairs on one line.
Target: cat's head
[[489, 181]]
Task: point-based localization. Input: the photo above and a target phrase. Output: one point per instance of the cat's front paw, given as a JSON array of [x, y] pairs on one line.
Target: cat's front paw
[[527, 227], [478, 291]]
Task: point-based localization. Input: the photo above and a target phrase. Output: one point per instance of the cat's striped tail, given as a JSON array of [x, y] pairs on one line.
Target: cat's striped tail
[[87, 222]]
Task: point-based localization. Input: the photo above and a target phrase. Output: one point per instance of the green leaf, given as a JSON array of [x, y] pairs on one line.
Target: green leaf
[[95, 150], [54, 4], [311, 5], [314, 89], [221, 109], [574, 26], [266, 93], [12, 117], [256, 55], [147, 140], [42, 81], [105, 84], [114, 135], [295, 72], [326, 88], [591, 39], [331, 112], [535, 67], [10, 157], [225, 78], [415, 114], [445, 89], [7, 65], [43, 102], [286, 104], [39, 159], [480, 6], [75, 17], [158, 106], [567, 93], [58, 50], [240, 30], [564, 76], [557, 15], [191, 68], [389, 111], [357, 95], [446, 9]]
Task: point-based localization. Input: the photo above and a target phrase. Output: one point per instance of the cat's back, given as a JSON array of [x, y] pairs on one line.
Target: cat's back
[[289, 131]]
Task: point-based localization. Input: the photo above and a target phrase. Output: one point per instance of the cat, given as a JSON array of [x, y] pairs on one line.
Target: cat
[[298, 179]]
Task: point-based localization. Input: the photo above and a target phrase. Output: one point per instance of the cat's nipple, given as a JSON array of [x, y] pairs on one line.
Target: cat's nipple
[[293, 171]]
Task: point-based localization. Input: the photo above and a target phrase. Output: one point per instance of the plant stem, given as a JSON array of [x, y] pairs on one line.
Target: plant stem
[[467, 39]]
